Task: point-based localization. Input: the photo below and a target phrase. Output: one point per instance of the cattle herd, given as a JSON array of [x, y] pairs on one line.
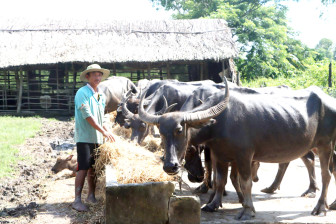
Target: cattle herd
[[234, 126]]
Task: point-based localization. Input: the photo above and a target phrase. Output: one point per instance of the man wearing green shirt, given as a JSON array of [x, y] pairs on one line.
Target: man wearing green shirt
[[89, 130]]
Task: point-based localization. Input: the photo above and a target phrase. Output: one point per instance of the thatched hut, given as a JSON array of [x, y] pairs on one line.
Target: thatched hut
[[40, 62]]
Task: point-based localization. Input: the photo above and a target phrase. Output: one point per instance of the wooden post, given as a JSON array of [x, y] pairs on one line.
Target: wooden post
[[168, 71], [161, 73], [201, 71], [114, 69], [148, 71], [28, 90], [5, 90], [57, 87], [18, 109], [206, 70], [330, 73], [40, 77], [138, 75]]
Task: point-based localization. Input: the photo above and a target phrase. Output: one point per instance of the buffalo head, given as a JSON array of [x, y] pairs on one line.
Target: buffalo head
[[140, 129], [174, 126], [193, 164]]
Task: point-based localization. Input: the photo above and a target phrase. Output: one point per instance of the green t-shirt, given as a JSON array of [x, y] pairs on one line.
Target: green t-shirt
[[86, 105]]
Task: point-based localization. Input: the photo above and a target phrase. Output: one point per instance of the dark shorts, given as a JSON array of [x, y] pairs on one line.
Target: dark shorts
[[86, 155]]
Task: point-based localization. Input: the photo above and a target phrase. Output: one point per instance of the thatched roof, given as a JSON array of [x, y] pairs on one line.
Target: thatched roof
[[48, 42]]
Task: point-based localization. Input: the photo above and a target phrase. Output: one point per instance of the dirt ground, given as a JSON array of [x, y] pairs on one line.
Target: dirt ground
[[35, 195], [284, 206]]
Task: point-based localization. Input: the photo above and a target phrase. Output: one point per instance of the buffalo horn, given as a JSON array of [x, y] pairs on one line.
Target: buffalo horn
[[170, 108], [145, 116], [164, 107], [211, 112], [128, 114]]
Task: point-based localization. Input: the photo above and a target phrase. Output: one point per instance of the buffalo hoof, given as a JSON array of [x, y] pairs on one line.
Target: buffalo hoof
[[309, 195], [268, 190], [245, 214], [208, 209], [224, 193], [202, 189], [320, 208], [332, 206]]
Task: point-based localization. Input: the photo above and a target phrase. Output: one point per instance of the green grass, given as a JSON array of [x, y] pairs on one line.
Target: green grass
[[13, 132]]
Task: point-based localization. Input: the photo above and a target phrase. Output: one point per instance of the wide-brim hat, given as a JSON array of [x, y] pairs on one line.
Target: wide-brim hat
[[94, 68]]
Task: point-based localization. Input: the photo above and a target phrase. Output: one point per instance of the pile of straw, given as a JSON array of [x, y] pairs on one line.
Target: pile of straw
[[132, 163], [112, 116], [121, 131], [152, 144]]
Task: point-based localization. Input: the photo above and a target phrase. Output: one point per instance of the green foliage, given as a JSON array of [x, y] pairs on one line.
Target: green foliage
[[324, 49], [13, 132], [266, 46], [316, 74]]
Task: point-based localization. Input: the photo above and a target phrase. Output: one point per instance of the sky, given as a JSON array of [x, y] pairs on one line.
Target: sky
[[304, 16]]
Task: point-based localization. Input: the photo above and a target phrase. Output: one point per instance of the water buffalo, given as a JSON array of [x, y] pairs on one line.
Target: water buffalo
[[195, 100], [133, 101], [243, 127], [175, 93], [114, 87]]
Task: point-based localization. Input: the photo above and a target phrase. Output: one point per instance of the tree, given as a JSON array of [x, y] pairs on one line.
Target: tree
[[261, 31], [268, 47], [324, 49]]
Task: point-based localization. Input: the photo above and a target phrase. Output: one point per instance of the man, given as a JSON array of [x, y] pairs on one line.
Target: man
[[89, 130]]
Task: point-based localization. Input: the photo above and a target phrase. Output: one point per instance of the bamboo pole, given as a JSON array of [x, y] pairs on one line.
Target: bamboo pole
[[18, 109]]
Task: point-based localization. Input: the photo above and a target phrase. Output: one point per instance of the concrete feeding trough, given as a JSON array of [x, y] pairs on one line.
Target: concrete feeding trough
[[152, 202]]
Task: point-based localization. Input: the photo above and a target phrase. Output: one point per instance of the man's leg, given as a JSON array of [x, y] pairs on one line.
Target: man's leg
[[92, 186], [79, 183]]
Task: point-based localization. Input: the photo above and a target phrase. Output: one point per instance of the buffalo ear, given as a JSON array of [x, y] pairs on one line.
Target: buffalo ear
[[69, 157]]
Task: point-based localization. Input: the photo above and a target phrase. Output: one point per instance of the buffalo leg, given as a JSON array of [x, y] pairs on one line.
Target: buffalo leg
[[235, 181], [219, 184], [325, 160], [333, 205], [276, 183], [204, 187], [309, 161], [245, 178]]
